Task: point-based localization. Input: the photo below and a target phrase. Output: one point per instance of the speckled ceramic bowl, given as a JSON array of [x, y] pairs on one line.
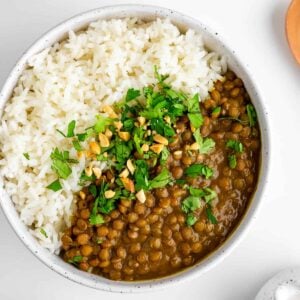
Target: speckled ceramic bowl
[[214, 42]]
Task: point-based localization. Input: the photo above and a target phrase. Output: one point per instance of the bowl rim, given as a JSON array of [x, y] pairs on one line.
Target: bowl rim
[[54, 262]]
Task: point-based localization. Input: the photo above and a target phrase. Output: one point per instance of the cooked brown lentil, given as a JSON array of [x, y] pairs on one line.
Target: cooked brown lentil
[[151, 239]]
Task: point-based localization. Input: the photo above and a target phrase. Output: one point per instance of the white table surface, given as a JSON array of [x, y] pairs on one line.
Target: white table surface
[[255, 29]]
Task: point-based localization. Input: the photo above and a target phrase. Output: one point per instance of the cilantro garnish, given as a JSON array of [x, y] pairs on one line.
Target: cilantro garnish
[[199, 170], [70, 131], [161, 180], [44, 233], [75, 260], [54, 186], [132, 94], [252, 116], [212, 219], [232, 161], [235, 145], [205, 144], [194, 113], [26, 155]]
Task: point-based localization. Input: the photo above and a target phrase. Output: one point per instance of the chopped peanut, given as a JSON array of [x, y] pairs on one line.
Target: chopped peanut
[[128, 184], [130, 166], [118, 125], [109, 194], [167, 119], [104, 141], [88, 171], [157, 148], [141, 196], [108, 133], [145, 148], [141, 120], [95, 148], [124, 135], [160, 139], [124, 173], [82, 195], [194, 146], [108, 109], [80, 154], [97, 172]]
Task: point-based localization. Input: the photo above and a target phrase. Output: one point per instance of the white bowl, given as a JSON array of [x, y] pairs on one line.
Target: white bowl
[[213, 41]]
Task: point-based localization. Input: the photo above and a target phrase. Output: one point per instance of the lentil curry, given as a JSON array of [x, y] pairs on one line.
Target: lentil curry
[[179, 177]]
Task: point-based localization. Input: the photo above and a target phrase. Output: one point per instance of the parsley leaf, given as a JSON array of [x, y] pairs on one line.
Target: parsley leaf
[[235, 145], [54, 186], [122, 152], [205, 144], [194, 113], [199, 169], [26, 155], [161, 180], [132, 94], [232, 161], [44, 233], [252, 116]]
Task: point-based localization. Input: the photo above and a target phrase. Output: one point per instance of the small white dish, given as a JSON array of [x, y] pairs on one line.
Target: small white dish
[[214, 42], [283, 286]]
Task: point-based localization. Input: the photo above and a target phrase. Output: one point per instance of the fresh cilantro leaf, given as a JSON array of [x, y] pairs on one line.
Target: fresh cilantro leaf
[[191, 220], [71, 127], [44, 233], [216, 111], [199, 170], [164, 155], [235, 145], [84, 178], [75, 260], [122, 151], [101, 123], [54, 186], [212, 219], [61, 168], [83, 136], [93, 190], [138, 138], [180, 181], [252, 116], [160, 78], [190, 204], [77, 145], [26, 155], [141, 175], [194, 113], [96, 219], [206, 193], [232, 161], [205, 144], [70, 131], [132, 94], [128, 125], [102, 157], [161, 180], [161, 127]]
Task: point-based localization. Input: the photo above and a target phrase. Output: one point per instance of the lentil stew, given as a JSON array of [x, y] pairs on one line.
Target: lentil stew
[[180, 176]]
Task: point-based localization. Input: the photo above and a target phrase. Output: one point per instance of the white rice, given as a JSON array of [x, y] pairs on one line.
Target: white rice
[[70, 81]]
